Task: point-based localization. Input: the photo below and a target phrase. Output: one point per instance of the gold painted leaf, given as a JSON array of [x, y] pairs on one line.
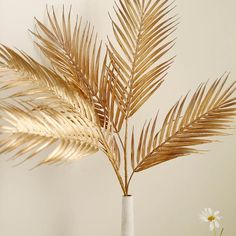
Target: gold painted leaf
[[208, 113], [75, 53], [142, 32], [42, 83], [30, 130]]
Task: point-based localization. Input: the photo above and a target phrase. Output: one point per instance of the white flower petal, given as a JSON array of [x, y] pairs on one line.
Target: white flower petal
[[204, 213], [209, 211], [218, 217], [216, 213]]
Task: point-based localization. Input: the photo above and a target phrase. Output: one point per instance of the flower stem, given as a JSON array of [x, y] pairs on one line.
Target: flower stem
[[214, 232], [221, 233]]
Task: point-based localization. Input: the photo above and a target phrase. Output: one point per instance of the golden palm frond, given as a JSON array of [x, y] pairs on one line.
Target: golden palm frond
[[41, 82], [43, 91], [142, 34], [74, 54], [33, 130], [208, 114]]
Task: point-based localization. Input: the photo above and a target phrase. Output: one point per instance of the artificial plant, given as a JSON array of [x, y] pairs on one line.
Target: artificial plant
[[82, 100]]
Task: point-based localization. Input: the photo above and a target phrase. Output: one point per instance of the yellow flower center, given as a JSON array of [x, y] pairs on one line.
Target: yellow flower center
[[211, 218]]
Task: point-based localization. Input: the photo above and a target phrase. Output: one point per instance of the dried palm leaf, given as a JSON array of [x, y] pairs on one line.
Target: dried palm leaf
[[42, 83], [208, 114], [75, 55], [142, 33], [41, 129]]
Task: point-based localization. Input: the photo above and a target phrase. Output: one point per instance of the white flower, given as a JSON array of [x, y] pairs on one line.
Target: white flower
[[211, 217]]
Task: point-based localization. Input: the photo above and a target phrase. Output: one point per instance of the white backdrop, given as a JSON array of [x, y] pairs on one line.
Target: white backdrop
[[83, 198]]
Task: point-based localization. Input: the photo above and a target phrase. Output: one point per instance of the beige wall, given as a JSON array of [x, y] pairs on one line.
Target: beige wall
[[83, 198]]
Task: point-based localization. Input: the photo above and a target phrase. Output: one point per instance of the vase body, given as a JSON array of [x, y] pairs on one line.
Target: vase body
[[127, 220]]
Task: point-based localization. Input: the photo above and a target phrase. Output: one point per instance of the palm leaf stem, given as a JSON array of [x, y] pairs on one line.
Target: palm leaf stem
[[125, 155], [111, 159]]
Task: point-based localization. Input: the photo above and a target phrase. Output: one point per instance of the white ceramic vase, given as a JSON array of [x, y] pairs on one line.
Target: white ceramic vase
[[127, 220]]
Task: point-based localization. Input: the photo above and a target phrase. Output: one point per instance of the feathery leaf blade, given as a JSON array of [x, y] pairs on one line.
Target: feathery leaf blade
[[205, 116], [43, 128], [142, 33]]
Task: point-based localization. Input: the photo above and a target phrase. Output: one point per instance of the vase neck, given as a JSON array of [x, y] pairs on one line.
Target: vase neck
[[127, 221]]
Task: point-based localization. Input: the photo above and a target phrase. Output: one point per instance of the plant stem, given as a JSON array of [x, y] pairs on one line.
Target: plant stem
[[130, 178], [118, 134], [117, 175], [111, 159], [214, 231], [221, 233], [125, 157]]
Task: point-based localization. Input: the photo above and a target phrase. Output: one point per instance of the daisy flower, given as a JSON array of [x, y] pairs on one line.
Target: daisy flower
[[211, 217]]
